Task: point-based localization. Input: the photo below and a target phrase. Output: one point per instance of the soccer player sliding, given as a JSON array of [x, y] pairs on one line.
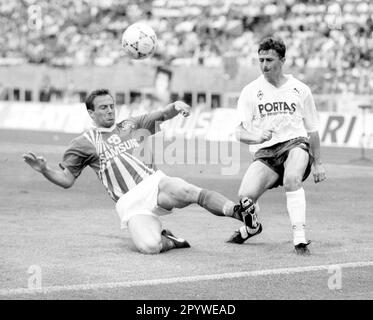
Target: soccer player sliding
[[142, 194]]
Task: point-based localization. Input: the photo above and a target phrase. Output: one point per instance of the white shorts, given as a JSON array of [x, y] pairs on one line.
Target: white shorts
[[141, 199]]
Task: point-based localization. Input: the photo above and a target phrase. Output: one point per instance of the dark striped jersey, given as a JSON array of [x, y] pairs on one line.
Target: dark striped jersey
[[113, 153]]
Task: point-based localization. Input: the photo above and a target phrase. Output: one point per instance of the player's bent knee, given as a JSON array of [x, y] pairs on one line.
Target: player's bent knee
[[292, 182], [189, 193], [149, 248], [148, 244], [145, 231]]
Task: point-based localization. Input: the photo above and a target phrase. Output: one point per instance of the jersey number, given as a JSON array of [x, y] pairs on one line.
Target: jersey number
[[114, 139]]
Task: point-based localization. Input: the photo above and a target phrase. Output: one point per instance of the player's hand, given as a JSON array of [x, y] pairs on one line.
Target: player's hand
[[182, 108], [318, 172], [37, 163], [266, 135]]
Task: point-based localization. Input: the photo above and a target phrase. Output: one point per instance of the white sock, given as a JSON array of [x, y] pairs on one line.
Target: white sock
[[296, 205]]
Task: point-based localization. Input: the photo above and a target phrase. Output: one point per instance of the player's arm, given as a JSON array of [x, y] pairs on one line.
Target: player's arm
[[311, 123], [63, 178], [171, 111], [245, 132], [318, 168], [314, 140], [252, 137], [153, 120]]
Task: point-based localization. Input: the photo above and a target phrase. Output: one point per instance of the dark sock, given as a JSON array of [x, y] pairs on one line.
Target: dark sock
[[216, 203]]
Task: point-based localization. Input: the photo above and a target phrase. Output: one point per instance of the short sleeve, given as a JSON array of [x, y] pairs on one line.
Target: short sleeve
[[244, 109], [311, 119], [78, 155]]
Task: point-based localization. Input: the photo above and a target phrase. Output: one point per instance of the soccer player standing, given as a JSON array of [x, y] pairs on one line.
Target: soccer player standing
[[141, 193], [278, 116]]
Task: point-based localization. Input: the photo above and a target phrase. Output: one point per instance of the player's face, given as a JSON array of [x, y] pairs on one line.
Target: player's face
[[104, 113], [270, 63]]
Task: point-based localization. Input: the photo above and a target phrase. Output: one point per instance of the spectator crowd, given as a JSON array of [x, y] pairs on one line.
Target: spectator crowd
[[329, 42]]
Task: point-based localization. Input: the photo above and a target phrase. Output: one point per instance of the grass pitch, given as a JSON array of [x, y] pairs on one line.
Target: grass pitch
[[73, 236]]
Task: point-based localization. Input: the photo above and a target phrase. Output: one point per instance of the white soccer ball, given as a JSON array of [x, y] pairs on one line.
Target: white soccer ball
[[139, 41]]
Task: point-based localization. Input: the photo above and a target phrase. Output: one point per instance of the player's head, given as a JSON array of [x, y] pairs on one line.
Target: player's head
[[100, 106], [271, 54]]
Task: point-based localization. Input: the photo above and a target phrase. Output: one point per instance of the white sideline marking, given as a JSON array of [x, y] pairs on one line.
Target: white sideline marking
[[129, 284]]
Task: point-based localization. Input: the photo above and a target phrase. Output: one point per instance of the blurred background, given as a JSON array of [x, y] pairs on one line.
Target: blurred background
[[58, 51], [54, 52]]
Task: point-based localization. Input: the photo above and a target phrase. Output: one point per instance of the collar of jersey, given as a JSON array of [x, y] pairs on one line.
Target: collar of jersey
[[102, 129], [288, 78]]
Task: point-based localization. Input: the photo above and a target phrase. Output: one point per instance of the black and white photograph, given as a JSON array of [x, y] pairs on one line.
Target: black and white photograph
[[186, 156]]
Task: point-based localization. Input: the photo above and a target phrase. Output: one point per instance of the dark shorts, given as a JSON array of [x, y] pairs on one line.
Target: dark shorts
[[275, 156]]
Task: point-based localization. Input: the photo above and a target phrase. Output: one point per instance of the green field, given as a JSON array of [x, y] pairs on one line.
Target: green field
[[74, 237]]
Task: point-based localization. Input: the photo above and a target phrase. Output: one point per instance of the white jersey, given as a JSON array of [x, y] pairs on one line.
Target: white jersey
[[289, 110]]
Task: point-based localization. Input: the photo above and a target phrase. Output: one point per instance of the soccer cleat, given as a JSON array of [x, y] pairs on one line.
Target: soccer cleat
[[179, 242], [239, 239], [249, 215], [302, 249], [245, 212]]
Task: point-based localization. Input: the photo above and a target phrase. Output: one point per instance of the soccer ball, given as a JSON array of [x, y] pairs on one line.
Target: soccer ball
[[139, 41]]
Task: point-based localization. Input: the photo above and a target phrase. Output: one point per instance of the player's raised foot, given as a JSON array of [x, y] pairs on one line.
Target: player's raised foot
[[244, 233], [179, 242], [302, 249]]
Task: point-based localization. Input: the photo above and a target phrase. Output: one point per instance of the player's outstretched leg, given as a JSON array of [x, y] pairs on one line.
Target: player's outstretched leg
[[177, 193], [252, 226], [149, 238], [219, 205]]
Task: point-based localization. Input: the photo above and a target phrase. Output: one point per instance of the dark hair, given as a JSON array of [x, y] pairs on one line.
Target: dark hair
[[98, 92], [272, 43]]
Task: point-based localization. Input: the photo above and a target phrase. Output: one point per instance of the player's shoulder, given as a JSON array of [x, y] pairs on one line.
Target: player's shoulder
[[85, 139], [128, 123], [253, 85], [82, 137], [299, 85], [135, 122]]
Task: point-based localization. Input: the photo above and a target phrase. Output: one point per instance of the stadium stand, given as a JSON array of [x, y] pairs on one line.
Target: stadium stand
[[330, 42]]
